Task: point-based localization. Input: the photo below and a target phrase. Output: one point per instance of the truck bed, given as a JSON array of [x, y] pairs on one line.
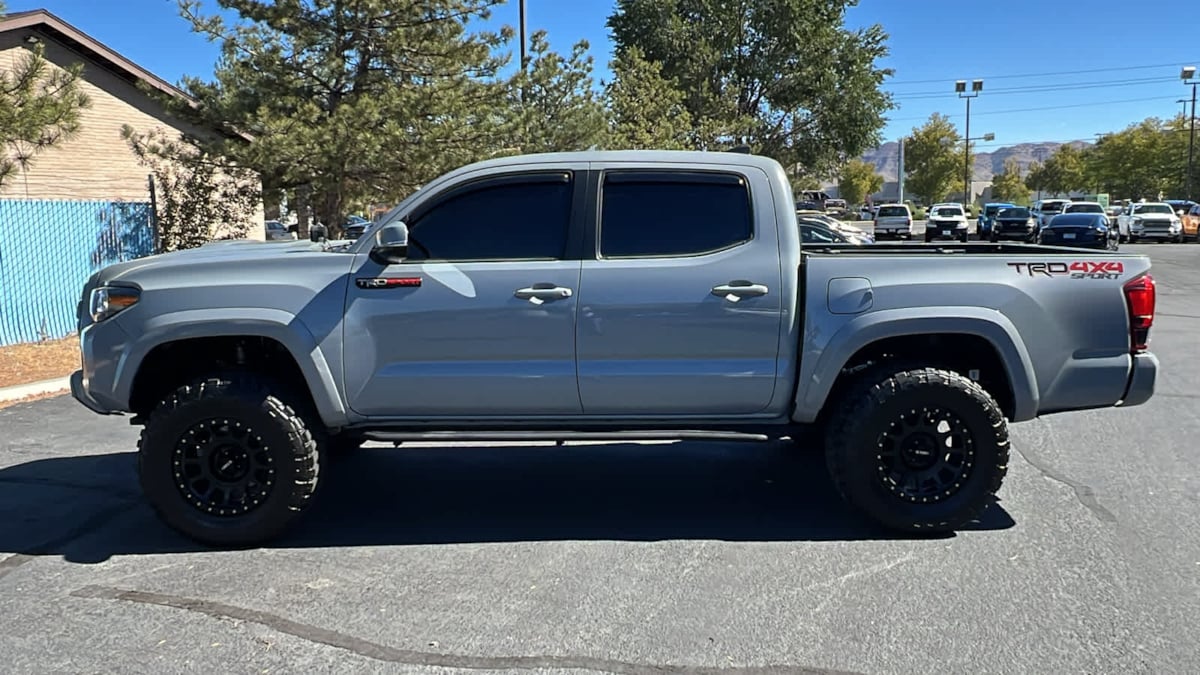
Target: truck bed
[[972, 248]]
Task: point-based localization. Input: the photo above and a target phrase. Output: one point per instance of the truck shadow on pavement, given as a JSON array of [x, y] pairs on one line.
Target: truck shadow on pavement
[[89, 508]]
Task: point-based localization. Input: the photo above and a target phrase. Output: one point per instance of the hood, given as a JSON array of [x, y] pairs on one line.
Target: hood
[[220, 253]]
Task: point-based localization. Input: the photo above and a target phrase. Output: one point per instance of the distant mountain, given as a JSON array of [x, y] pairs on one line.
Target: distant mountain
[[886, 158]]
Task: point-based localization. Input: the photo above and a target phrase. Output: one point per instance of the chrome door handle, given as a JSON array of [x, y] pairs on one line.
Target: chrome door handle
[[739, 289], [543, 293]]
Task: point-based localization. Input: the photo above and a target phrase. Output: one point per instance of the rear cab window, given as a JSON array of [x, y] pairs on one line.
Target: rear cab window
[[673, 213], [893, 211]]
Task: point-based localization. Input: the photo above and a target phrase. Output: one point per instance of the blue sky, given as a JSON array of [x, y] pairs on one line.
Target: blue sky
[[1083, 68]]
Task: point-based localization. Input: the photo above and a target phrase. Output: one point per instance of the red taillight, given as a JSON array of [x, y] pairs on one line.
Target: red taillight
[[1139, 298]]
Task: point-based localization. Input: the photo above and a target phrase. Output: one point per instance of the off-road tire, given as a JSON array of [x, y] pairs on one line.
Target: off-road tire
[[867, 411], [246, 407]]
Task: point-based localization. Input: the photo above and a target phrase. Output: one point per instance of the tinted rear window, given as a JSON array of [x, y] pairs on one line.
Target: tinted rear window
[[893, 211], [648, 214]]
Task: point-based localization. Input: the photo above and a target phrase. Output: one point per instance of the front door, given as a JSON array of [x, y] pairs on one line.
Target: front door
[[680, 310], [479, 320]]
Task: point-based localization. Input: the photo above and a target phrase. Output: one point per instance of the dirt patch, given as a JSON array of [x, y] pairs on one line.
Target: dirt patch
[[36, 361]]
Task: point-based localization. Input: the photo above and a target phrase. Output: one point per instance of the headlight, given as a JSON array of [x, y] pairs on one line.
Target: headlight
[[109, 300]]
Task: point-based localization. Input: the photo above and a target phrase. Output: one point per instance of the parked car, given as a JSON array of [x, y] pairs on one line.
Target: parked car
[[808, 205], [1150, 220], [835, 204], [1079, 230], [894, 220], [1014, 222], [354, 227], [1181, 206], [1045, 209], [277, 231], [983, 226], [946, 221], [574, 314], [818, 232], [1190, 224], [836, 225], [1084, 207]]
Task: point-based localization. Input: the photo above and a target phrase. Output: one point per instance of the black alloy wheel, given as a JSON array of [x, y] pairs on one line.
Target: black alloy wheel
[[925, 455]]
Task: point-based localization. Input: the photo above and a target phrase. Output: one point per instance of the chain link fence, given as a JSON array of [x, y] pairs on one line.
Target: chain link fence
[[48, 249]]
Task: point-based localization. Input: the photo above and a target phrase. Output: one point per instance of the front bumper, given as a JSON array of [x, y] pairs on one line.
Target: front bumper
[[946, 230], [1142, 379], [80, 393]]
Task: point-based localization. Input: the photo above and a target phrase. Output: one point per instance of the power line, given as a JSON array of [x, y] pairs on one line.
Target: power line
[[1048, 107], [1032, 75], [1044, 88]]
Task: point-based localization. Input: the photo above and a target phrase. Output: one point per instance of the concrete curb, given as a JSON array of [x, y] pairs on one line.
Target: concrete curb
[[20, 391]]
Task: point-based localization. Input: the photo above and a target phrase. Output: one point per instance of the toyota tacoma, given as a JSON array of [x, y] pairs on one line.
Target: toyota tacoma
[[602, 296]]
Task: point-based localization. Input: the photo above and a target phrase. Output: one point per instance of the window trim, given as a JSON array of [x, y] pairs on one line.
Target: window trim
[[633, 175], [574, 177]]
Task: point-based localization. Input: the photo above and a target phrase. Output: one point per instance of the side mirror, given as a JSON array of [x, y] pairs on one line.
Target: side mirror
[[317, 232], [391, 244]]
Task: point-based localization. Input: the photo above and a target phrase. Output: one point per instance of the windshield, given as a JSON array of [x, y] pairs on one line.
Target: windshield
[[1084, 208], [1052, 207], [992, 210], [893, 211], [1020, 212], [1153, 208], [947, 212]]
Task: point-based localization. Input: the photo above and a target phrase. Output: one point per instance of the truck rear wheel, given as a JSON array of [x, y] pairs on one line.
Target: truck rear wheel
[[226, 461], [921, 450]]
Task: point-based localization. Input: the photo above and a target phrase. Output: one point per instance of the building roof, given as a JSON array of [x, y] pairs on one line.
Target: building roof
[[42, 21]]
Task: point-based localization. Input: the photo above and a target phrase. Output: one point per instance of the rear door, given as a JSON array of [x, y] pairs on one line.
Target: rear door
[[680, 303], [479, 320]]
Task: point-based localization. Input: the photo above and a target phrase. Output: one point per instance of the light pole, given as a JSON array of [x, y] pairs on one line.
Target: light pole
[[1188, 76], [960, 87], [987, 138]]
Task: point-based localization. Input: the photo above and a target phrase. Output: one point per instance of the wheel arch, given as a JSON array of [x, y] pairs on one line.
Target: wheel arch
[[150, 365], [914, 336]]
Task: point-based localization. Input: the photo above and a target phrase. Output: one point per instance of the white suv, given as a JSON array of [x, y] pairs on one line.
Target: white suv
[[946, 221], [893, 220], [1044, 210]]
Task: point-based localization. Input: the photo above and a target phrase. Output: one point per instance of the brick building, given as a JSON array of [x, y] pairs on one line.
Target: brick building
[[96, 163]]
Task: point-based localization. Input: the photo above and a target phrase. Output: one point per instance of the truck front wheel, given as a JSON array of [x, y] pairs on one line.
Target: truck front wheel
[[919, 450], [226, 461]]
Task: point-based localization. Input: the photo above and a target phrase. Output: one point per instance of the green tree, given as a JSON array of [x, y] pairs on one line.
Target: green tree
[[645, 109], [348, 101], [198, 198], [1138, 161], [40, 107], [1065, 170], [857, 180], [1036, 179], [1008, 186], [785, 77], [552, 107], [932, 162]]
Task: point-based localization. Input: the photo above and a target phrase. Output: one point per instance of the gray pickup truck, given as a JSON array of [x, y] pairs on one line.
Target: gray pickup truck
[[602, 296]]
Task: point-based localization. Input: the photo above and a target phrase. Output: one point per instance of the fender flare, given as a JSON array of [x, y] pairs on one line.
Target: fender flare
[[818, 380], [284, 327]]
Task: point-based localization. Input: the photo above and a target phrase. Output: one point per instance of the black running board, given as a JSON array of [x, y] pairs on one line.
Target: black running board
[[530, 436]]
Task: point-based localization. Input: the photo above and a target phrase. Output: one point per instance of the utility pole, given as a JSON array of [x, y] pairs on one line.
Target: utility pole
[[1188, 75], [900, 177], [960, 87], [523, 42]]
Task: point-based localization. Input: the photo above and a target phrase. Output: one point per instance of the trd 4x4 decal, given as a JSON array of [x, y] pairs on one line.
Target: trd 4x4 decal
[[1080, 269]]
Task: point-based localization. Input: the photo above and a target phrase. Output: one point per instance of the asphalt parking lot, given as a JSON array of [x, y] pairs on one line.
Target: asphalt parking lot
[[625, 558]]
